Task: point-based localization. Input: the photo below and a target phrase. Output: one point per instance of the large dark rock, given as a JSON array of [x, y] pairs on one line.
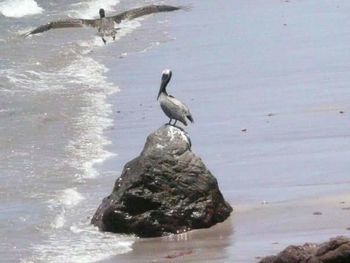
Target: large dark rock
[[167, 189], [337, 250]]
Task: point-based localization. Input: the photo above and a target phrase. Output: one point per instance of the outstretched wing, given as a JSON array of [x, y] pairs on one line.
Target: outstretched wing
[[64, 24], [145, 10], [130, 14]]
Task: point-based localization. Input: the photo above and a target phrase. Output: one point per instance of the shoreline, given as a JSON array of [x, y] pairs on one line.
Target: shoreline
[[243, 238]]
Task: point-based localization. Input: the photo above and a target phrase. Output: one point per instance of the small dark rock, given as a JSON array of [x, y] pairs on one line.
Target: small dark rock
[[167, 189], [179, 254], [337, 250], [341, 112], [317, 213], [292, 254]]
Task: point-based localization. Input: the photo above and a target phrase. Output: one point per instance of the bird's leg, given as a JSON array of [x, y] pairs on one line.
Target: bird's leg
[[104, 41], [175, 122], [169, 123]]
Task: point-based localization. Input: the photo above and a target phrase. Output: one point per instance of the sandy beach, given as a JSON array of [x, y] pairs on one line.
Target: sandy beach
[[274, 69]]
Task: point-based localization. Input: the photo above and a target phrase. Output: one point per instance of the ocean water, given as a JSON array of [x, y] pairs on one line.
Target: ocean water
[[54, 112]]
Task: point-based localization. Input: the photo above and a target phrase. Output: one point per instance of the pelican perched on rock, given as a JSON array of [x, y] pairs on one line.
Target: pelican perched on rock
[[105, 25], [172, 107]]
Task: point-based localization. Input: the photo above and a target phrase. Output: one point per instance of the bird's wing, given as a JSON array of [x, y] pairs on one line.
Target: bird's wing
[[64, 24], [145, 10], [178, 104], [130, 14], [175, 103], [91, 22], [182, 106]]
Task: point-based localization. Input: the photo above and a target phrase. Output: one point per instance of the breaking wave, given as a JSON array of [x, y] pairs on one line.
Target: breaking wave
[[20, 8], [80, 243], [89, 9]]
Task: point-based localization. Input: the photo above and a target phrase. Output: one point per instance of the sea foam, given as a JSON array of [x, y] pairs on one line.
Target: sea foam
[[89, 9], [64, 199], [20, 8], [87, 146], [69, 197], [81, 243]]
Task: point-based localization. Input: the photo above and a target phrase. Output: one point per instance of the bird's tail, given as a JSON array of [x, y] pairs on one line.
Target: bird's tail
[[190, 118]]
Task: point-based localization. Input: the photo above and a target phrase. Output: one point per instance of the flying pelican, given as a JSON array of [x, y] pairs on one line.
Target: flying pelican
[[105, 25], [173, 108]]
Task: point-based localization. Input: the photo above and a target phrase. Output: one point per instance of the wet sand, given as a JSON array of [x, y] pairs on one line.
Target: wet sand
[[250, 233], [277, 69]]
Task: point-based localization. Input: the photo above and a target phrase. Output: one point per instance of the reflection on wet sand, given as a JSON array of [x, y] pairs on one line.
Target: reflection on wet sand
[[197, 245]]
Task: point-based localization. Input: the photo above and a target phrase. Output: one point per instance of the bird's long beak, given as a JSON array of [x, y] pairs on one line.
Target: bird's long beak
[[160, 92], [162, 86], [164, 82]]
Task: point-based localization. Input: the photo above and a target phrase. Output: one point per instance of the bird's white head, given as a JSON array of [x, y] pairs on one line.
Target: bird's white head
[[166, 76], [166, 72]]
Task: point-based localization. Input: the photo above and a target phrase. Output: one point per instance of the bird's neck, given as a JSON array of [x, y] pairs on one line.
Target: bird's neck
[[162, 88]]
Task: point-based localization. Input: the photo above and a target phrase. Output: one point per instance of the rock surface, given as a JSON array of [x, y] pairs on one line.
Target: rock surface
[[337, 250], [167, 189]]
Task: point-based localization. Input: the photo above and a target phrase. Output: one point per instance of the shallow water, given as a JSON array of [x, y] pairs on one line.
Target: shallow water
[[54, 114]]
